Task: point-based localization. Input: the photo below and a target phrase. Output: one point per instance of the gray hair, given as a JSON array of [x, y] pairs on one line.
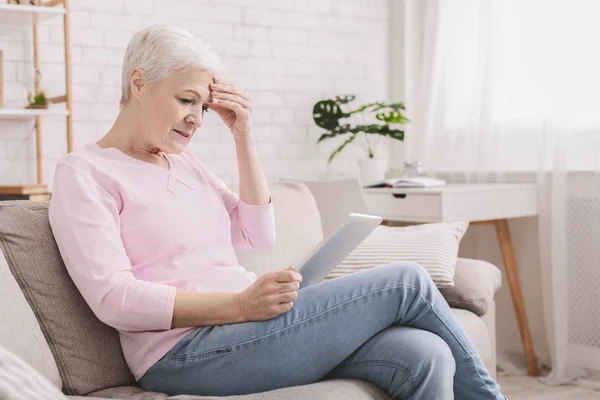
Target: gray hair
[[160, 50]]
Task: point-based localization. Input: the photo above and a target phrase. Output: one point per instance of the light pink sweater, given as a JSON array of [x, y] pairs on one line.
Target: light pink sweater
[[131, 232]]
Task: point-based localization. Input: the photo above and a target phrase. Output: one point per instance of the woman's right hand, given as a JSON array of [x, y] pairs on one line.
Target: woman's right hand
[[270, 295]]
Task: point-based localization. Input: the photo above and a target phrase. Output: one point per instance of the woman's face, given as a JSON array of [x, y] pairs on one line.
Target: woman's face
[[172, 110]]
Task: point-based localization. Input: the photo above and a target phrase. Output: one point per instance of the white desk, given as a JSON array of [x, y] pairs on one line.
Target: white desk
[[477, 203]]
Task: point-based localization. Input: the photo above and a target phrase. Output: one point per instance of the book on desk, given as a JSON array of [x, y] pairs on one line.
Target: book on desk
[[409, 182]]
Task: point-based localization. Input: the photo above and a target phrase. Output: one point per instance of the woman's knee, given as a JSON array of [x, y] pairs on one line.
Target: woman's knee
[[439, 354], [436, 360]]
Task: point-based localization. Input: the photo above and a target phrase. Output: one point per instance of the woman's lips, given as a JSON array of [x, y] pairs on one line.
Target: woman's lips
[[185, 135]]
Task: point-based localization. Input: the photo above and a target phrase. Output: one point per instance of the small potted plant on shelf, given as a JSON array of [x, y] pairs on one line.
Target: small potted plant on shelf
[[39, 99], [329, 115]]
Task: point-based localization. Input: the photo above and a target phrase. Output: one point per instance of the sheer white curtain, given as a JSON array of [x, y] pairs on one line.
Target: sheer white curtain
[[503, 86]]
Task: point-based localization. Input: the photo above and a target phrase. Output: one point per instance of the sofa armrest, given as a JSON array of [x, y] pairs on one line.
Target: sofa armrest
[[475, 284]]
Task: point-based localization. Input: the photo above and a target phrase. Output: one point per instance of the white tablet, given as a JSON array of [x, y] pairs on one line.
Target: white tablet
[[336, 247]]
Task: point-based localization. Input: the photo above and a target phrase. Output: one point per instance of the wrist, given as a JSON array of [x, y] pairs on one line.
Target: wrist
[[241, 314], [243, 139]]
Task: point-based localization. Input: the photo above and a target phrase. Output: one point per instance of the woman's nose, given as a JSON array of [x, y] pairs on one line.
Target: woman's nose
[[192, 119]]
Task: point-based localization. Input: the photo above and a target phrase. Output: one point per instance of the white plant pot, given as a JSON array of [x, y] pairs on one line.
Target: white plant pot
[[372, 170]]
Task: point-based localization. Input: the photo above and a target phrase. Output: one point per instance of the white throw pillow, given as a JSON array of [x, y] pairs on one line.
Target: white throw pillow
[[20, 381], [433, 246]]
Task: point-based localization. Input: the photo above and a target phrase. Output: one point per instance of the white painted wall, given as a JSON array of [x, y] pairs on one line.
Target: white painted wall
[[287, 54]]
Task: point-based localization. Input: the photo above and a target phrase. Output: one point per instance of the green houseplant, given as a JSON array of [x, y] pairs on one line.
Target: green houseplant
[[37, 101], [336, 117]]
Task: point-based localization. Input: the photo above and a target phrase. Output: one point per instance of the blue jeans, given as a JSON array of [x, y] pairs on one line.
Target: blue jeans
[[388, 325]]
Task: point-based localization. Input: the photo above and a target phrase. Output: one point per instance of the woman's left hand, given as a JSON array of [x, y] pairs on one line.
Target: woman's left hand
[[233, 106]]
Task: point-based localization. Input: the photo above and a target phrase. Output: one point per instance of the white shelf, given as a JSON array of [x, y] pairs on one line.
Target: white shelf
[[23, 113], [14, 15]]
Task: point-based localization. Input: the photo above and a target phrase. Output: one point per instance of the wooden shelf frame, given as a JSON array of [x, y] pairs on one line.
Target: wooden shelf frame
[[19, 15]]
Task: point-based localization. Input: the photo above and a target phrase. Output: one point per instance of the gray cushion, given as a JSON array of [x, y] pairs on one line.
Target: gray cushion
[[475, 283], [347, 389], [19, 329], [88, 353]]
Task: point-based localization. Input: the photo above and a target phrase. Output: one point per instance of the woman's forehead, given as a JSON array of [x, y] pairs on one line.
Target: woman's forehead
[[197, 82], [194, 76]]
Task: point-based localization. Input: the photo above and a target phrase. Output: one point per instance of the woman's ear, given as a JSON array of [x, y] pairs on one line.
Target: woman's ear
[[137, 83]]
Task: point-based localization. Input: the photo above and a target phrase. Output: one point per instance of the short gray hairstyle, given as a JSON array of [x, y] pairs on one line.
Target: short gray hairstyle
[[160, 50]]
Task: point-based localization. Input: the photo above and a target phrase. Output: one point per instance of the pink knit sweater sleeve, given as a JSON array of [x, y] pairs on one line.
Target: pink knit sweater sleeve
[[252, 226], [84, 218]]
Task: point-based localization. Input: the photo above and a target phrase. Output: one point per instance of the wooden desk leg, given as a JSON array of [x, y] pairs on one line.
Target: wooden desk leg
[[515, 290]]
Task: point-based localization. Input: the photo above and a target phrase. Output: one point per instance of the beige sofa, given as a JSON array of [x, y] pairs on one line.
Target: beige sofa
[[47, 323]]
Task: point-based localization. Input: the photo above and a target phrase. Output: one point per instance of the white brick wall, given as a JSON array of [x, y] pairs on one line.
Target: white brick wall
[[286, 54]]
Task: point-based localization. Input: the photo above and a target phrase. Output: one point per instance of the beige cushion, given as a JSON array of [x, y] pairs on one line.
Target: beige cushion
[[298, 230], [20, 381], [347, 389], [479, 335], [489, 319], [19, 330], [475, 283], [87, 352], [433, 246]]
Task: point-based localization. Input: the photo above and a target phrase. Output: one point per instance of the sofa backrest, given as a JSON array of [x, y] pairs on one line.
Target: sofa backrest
[[297, 225], [87, 352], [335, 199]]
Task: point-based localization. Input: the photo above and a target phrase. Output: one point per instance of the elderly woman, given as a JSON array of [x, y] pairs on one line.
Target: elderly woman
[[147, 234]]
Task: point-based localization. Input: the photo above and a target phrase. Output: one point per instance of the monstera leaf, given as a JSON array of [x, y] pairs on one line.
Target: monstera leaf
[[327, 114], [345, 99], [375, 106], [375, 129], [378, 106], [391, 117]]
